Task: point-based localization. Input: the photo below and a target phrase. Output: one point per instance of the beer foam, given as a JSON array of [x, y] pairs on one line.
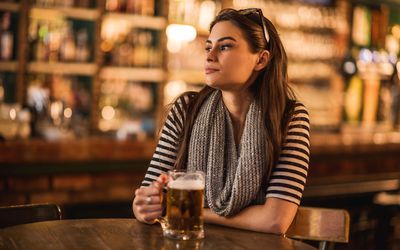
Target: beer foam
[[186, 184]]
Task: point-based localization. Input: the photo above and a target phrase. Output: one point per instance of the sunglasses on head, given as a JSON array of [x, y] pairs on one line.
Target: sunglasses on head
[[258, 11]]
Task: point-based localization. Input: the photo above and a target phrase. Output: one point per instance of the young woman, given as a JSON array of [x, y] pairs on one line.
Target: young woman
[[245, 130]]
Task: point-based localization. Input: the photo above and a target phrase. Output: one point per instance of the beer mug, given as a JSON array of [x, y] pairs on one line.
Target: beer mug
[[185, 201]]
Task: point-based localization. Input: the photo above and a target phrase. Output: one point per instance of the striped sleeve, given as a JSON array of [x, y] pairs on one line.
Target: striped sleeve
[[164, 156], [288, 178]]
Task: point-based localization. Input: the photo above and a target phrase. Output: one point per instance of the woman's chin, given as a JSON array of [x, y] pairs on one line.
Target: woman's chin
[[213, 83]]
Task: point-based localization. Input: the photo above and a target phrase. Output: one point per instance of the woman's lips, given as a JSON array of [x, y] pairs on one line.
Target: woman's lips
[[210, 70]]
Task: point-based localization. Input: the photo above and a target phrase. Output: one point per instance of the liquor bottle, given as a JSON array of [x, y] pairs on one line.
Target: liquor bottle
[[68, 46], [112, 5], [42, 48], [142, 47], [82, 48], [84, 3], [384, 115], [353, 100], [379, 26], [370, 100], [54, 42], [33, 38], [148, 7], [6, 38], [125, 51], [2, 89], [395, 91], [361, 30], [132, 6], [122, 5], [64, 3]]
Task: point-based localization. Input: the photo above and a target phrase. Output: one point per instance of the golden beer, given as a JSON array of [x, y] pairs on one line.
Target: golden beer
[[185, 199]]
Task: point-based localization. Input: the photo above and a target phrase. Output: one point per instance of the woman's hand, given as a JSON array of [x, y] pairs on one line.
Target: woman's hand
[[148, 203]]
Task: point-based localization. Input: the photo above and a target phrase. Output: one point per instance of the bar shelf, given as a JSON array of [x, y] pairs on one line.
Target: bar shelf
[[134, 74], [13, 7], [85, 69], [10, 66], [73, 13]]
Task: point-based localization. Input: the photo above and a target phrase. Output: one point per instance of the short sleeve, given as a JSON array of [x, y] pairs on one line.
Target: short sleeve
[[288, 177]]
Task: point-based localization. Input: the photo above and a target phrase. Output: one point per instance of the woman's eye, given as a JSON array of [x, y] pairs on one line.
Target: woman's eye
[[207, 49], [225, 46]]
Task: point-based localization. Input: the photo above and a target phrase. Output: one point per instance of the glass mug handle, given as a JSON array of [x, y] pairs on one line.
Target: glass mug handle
[[162, 218], [162, 221]]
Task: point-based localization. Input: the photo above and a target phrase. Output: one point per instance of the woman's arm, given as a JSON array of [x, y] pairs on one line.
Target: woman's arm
[[274, 217], [147, 204]]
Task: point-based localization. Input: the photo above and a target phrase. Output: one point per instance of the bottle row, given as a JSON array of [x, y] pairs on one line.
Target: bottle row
[[139, 7], [60, 107], [370, 26], [58, 41], [371, 101], [63, 40], [130, 46], [64, 3], [299, 15]]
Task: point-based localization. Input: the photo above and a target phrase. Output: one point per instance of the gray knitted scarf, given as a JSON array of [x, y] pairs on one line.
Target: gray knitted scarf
[[235, 178]]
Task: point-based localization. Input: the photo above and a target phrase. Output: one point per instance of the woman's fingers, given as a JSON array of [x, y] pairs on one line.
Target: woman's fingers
[[147, 200], [162, 179], [144, 209], [147, 191], [151, 217]]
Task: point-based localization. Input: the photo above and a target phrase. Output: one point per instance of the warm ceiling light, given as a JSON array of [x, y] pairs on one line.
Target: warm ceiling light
[[181, 32]]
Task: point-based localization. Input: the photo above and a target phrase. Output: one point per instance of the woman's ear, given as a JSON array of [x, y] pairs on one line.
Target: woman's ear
[[263, 60]]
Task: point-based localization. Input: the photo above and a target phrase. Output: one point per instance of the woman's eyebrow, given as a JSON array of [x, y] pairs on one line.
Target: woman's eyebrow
[[222, 39]]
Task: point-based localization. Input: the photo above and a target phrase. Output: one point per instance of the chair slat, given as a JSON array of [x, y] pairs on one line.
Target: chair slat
[[320, 224], [22, 214]]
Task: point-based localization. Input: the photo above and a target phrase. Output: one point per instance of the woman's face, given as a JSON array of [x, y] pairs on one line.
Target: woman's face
[[229, 63]]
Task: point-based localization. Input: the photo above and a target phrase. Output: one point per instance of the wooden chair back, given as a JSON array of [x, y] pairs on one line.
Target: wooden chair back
[[22, 214], [325, 225]]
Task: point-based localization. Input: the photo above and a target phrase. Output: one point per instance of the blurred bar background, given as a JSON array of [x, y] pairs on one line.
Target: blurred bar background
[[84, 84]]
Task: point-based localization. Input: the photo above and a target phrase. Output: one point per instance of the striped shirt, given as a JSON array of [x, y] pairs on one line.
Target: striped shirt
[[288, 177]]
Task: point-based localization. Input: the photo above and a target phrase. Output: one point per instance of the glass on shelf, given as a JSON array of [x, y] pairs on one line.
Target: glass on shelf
[[9, 125], [60, 106], [127, 108], [14, 119], [7, 38]]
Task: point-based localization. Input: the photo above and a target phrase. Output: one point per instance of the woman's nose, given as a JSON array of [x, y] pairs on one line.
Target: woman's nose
[[211, 57]]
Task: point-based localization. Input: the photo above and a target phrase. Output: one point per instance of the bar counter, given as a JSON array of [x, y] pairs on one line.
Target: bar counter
[[95, 149], [340, 163]]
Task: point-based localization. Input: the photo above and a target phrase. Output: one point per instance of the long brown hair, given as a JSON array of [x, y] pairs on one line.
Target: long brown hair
[[270, 89]]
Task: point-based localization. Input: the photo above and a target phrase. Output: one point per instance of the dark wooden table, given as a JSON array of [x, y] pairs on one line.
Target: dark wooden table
[[131, 234]]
